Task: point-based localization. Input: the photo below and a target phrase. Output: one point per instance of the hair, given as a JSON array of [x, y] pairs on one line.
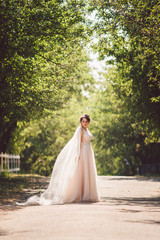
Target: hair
[[85, 115]]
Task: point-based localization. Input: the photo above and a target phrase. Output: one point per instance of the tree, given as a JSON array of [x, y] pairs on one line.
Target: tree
[[129, 33], [41, 49]]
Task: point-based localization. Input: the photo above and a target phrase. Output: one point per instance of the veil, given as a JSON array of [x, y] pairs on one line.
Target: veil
[[62, 178]]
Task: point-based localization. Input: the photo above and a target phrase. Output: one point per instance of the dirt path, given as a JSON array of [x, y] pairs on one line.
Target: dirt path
[[130, 209]]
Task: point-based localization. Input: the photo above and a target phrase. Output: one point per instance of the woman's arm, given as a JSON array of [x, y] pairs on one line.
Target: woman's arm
[[82, 136]]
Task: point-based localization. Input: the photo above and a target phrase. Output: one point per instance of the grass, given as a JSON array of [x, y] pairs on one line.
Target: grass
[[18, 187]]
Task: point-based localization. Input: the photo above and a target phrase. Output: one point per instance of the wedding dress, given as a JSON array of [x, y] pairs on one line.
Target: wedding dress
[[74, 176]]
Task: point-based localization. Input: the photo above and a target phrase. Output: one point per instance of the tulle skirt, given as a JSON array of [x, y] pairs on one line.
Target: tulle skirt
[[83, 185]]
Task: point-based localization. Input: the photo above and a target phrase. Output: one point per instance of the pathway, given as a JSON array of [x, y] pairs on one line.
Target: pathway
[[129, 210]]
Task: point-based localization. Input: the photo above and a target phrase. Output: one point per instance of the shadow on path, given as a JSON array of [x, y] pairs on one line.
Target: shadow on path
[[3, 232], [145, 221], [132, 201], [19, 188], [129, 178]]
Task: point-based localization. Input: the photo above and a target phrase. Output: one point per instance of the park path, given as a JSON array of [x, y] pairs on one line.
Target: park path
[[129, 209]]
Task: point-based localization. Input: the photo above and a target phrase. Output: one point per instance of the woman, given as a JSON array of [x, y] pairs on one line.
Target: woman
[[74, 176]]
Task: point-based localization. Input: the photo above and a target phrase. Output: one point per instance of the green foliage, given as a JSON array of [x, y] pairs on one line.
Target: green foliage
[[40, 53], [114, 135], [43, 66], [119, 142], [4, 174], [40, 143], [129, 32]]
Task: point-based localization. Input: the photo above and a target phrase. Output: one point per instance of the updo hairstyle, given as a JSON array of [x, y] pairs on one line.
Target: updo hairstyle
[[85, 115]]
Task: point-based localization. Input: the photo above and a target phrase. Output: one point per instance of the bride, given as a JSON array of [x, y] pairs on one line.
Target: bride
[[74, 176]]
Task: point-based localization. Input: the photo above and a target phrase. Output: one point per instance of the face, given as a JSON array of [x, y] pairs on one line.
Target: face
[[84, 123]]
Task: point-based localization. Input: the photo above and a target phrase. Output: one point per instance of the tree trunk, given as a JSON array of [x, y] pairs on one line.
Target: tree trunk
[[6, 133]]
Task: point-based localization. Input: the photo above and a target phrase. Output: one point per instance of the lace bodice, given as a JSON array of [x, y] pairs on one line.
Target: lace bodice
[[87, 136]]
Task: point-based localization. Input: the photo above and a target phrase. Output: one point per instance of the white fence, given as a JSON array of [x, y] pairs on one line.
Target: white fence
[[9, 163]]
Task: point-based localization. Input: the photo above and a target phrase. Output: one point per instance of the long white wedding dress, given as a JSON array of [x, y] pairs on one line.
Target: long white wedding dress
[[74, 176]]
